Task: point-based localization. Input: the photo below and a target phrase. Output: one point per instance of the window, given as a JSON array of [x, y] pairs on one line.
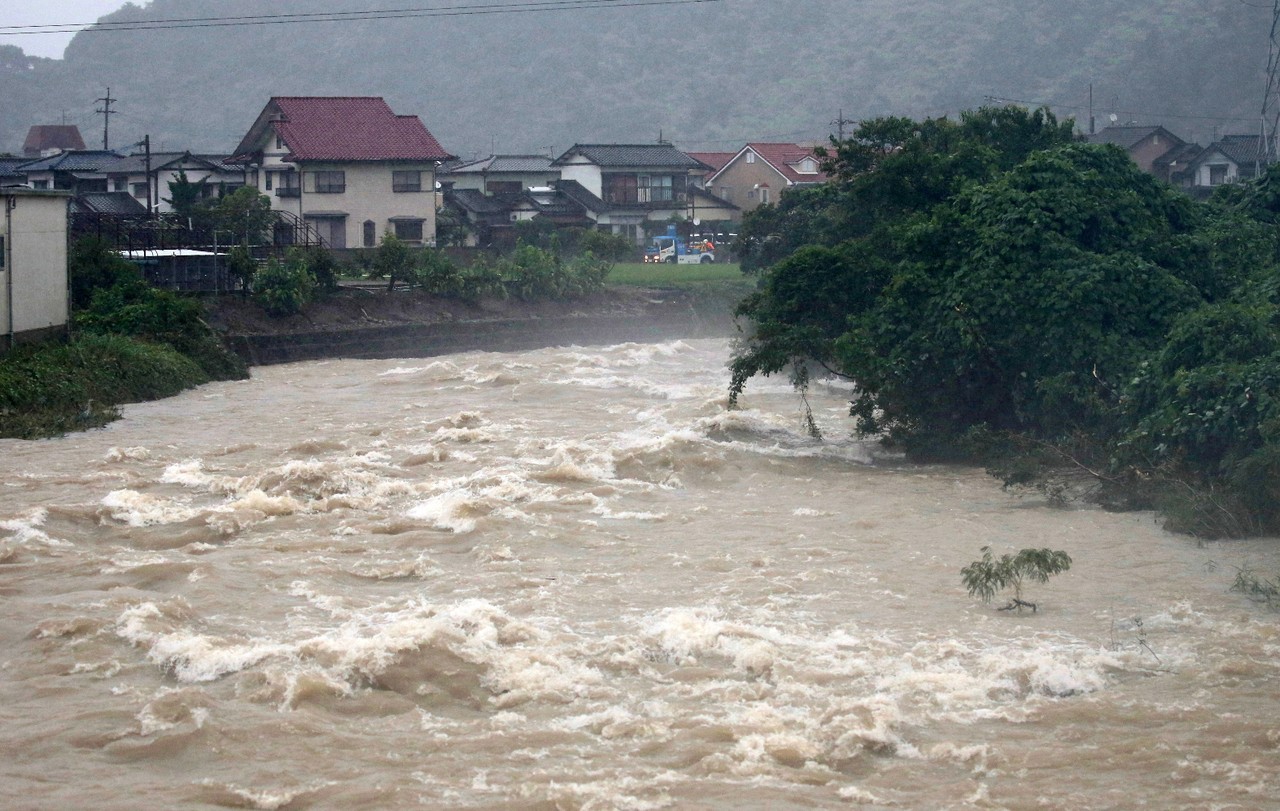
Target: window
[[408, 230], [503, 187], [332, 182], [1217, 174], [654, 189], [619, 189], [268, 174], [370, 234], [751, 157], [808, 166], [1, 251], [287, 185], [120, 184], [140, 190], [39, 184], [406, 181], [279, 141], [726, 192], [764, 195]]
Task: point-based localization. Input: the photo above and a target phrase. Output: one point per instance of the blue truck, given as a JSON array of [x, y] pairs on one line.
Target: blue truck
[[675, 250]]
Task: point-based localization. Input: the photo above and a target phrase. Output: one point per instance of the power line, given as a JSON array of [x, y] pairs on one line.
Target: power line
[[340, 16], [1055, 105]]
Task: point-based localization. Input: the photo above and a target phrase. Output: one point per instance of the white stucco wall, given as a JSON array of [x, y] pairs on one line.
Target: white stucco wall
[[369, 195], [586, 173], [1203, 171], [33, 284]]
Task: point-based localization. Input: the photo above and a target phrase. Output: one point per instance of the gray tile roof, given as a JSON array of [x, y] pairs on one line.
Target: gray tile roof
[[522, 164], [1241, 149], [137, 164], [476, 201], [639, 156], [579, 194], [107, 202], [87, 161]]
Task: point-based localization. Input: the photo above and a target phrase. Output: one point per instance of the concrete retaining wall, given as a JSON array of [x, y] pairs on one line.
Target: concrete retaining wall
[[424, 340]]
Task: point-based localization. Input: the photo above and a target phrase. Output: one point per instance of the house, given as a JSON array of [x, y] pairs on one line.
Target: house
[[347, 165], [49, 139], [130, 174], [1154, 149], [1230, 158], [623, 187], [33, 265], [76, 171], [713, 161], [760, 172], [500, 174], [11, 173], [493, 217]]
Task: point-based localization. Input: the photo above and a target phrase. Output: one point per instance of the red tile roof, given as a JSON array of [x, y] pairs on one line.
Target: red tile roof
[[347, 128], [716, 160], [782, 156]]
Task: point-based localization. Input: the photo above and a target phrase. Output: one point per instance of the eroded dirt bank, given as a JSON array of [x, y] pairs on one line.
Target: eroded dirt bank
[[358, 322]]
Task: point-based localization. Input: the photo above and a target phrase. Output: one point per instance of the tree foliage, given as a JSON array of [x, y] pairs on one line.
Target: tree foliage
[[989, 576], [992, 276]]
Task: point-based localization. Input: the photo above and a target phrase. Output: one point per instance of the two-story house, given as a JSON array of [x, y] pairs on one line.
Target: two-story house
[[130, 174], [760, 172], [624, 186], [76, 171], [501, 174], [347, 165], [1147, 146]]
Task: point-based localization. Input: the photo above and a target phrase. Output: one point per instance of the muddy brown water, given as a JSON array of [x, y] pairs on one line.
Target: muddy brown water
[[571, 579]]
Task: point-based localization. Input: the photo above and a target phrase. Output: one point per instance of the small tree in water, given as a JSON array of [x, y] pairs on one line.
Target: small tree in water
[[988, 577]]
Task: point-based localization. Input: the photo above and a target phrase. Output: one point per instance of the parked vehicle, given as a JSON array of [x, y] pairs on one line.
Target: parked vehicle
[[673, 249]]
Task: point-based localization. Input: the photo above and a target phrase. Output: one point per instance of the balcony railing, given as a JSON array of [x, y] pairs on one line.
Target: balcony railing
[[289, 191]]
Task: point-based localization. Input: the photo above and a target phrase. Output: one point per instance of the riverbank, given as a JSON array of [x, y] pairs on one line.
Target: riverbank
[[359, 322]]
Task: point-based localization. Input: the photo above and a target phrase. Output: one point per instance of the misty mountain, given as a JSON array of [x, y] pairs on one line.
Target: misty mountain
[[706, 75]]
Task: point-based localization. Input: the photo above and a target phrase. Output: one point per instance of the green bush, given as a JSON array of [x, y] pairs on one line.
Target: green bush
[[284, 287], [438, 275]]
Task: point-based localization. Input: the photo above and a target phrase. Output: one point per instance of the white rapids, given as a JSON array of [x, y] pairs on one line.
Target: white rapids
[[572, 579]]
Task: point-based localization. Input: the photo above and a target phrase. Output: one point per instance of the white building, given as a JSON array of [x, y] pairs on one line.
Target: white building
[[348, 166], [33, 265]]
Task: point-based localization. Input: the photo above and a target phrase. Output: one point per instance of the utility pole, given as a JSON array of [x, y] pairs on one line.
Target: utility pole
[[106, 112], [146, 145], [1270, 123], [841, 121]]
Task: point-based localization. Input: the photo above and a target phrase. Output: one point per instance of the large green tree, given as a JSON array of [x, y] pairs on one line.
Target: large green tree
[[992, 276]]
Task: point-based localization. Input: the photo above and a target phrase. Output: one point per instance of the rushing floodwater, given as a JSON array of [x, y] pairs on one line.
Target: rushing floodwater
[[570, 579]]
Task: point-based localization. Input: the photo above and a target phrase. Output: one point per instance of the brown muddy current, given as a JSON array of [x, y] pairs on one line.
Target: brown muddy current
[[571, 579]]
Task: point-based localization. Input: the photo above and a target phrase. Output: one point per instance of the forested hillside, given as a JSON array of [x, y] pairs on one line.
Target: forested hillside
[[706, 75]]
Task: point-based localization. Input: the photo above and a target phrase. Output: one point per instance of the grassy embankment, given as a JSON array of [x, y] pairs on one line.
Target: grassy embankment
[[689, 276], [713, 290], [129, 343]]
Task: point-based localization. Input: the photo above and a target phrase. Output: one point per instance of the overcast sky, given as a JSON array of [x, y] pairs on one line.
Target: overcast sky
[[51, 12]]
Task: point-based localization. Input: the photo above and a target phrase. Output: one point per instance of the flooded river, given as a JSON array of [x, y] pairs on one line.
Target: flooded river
[[570, 579]]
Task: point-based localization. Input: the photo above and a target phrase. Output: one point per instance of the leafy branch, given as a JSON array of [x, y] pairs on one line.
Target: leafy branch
[[989, 576]]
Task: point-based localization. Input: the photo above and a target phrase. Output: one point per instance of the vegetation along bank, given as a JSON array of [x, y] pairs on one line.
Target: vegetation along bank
[[132, 342], [999, 291]]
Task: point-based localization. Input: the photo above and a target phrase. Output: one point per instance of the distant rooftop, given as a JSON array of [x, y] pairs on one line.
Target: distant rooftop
[[43, 137]]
